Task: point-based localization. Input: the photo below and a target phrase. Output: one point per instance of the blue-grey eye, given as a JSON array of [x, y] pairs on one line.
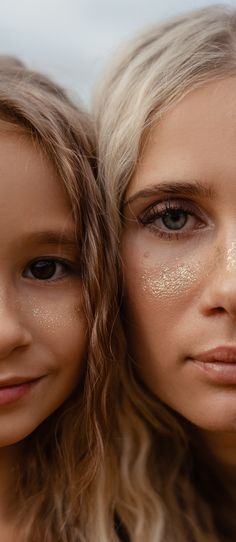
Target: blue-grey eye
[[175, 219]]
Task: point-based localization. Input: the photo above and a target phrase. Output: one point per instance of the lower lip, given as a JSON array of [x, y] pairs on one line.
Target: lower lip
[[10, 394], [219, 372]]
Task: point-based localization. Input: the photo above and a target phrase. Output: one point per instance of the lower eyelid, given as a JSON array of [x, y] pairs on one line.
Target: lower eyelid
[[165, 232], [173, 235]]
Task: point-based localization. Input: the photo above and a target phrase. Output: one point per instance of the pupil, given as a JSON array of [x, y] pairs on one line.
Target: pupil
[[43, 270], [175, 220]]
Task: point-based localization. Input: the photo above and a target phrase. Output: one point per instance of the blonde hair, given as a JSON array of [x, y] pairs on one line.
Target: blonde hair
[[57, 492], [158, 496]]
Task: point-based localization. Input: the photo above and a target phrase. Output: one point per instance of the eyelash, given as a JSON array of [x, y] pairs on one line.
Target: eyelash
[[69, 268], [154, 213]]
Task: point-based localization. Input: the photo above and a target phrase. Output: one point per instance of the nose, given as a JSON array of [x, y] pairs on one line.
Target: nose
[[220, 294], [13, 333]]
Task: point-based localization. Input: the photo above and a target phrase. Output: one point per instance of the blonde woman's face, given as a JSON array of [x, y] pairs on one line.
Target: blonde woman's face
[[179, 257], [42, 328]]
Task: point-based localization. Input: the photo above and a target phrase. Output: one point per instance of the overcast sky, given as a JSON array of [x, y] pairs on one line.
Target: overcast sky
[[71, 40]]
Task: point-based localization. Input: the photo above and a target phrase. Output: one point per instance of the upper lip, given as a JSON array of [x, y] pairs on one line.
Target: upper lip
[[220, 354], [16, 381]]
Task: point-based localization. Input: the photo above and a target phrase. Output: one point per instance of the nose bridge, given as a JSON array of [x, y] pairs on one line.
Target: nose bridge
[[9, 304], [224, 260], [220, 292], [12, 330], [230, 257]]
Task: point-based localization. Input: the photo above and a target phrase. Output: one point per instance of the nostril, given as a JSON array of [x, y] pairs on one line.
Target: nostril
[[220, 309], [217, 310]]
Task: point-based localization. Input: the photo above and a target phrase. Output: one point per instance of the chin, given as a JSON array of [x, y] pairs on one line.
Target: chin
[[11, 439], [14, 435], [220, 423]]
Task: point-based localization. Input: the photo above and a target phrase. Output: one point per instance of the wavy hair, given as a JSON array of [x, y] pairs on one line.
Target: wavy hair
[[160, 493], [59, 480]]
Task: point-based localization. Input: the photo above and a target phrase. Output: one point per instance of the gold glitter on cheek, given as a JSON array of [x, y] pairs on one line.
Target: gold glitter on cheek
[[166, 282], [171, 281], [47, 319], [52, 319]]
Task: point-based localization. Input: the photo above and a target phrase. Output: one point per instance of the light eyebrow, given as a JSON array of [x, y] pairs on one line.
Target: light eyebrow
[[194, 188], [52, 237]]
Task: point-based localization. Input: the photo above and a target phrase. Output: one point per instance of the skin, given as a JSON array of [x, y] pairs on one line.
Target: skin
[[42, 327], [180, 290]]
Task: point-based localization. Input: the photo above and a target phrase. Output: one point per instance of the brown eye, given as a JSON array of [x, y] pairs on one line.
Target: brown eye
[[46, 269], [43, 269]]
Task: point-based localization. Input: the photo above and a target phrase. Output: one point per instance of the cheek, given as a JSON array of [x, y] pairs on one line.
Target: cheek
[[153, 282], [58, 349], [55, 318], [161, 289], [59, 325], [164, 274], [168, 282]]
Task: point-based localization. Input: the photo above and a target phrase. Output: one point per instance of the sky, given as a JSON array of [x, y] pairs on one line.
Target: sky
[[72, 40]]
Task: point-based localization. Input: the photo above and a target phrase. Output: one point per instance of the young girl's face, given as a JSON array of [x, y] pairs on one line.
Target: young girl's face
[[179, 254], [42, 328]]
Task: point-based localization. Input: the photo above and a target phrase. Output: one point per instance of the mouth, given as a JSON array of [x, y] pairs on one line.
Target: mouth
[[13, 389], [16, 381], [218, 364]]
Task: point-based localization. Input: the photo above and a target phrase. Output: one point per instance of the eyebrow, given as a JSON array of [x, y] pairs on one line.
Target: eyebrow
[[194, 188], [52, 237]]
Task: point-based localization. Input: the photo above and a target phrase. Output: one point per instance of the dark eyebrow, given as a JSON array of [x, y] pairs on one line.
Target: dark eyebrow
[[194, 188], [52, 237]]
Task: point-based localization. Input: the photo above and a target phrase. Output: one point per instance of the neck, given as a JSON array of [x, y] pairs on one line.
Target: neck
[[219, 466], [220, 449]]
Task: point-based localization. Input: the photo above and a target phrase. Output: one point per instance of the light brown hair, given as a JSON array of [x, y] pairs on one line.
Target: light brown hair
[[59, 476]]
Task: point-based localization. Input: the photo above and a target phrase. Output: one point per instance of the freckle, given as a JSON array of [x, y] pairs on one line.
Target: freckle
[[146, 254]]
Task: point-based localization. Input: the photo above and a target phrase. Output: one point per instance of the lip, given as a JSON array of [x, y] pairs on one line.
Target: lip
[[223, 354], [15, 381], [218, 364], [13, 389]]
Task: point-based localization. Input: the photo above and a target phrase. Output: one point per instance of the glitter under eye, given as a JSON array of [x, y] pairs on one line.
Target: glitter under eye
[[169, 281]]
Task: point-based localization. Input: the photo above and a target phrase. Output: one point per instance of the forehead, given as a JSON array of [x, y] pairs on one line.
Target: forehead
[[30, 188], [196, 137]]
